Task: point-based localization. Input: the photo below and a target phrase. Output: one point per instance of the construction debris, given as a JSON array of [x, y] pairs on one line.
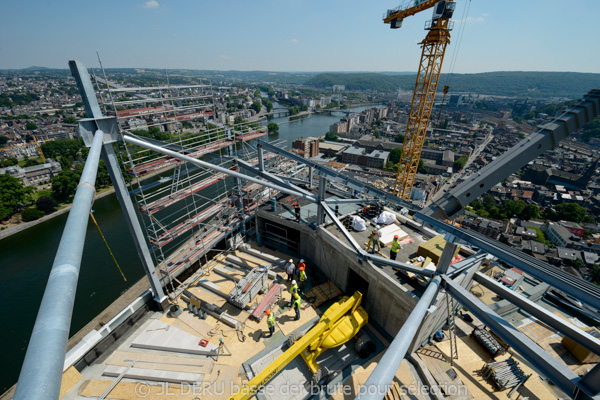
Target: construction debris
[[323, 293]]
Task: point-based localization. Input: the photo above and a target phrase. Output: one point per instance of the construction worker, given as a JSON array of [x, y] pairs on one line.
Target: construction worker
[[290, 269], [270, 322], [293, 291], [302, 275], [374, 240], [296, 305], [395, 247], [297, 210], [300, 265]]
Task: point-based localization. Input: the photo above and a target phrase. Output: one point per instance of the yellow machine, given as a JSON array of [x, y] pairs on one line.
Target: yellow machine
[[340, 323], [432, 57]]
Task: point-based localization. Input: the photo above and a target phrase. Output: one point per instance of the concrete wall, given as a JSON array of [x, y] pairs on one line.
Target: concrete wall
[[386, 302]]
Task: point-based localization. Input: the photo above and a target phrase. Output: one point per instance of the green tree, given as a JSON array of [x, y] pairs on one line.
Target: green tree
[[332, 137], [294, 110], [30, 126], [267, 103], [539, 235], [46, 204], [257, 93], [256, 106], [69, 120], [31, 214], [421, 168], [31, 162], [3, 140], [395, 155], [377, 134], [273, 128], [488, 201], [595, 273], [9, 162], [571, 212], [304, 107], [238, 120], [531, 211], [399, 138], [64, 185], [460, 162], [12, 195]]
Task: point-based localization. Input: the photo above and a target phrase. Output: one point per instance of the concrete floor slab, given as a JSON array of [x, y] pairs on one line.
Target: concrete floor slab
[[161, 336], [152, 374]]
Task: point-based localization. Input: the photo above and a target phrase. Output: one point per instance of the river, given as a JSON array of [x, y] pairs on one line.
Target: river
[[26, 259]]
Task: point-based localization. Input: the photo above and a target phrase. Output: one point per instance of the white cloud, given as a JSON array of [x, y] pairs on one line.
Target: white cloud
[[151, 4], [294, 40], [470, 19], [225, 57]]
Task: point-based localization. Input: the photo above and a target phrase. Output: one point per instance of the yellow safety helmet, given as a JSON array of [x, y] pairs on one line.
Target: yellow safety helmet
[[296, 296]]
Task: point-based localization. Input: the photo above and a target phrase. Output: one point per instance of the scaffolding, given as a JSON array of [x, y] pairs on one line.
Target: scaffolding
[[187, 209]]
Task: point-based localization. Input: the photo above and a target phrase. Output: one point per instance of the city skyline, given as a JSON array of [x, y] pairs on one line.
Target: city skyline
[[294, 36]]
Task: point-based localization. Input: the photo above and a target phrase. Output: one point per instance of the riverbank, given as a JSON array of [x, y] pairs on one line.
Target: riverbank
[[19, 226]]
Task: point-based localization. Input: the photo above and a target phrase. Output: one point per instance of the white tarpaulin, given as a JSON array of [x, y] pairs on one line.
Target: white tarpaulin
[[385, 218], [388, 232], [358, 224]]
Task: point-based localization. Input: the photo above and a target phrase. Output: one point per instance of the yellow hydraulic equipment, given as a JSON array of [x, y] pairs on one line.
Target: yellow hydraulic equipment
[[340, 323], [432, 57]]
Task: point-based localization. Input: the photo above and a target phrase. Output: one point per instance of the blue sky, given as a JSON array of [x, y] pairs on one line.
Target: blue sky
[[295, 35]]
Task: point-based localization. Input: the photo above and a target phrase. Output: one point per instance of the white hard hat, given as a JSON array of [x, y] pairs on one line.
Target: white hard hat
[[302, 260], [293, 282], [377, 227], [291, 260]]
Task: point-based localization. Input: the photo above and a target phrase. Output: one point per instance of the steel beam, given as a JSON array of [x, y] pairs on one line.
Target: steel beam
[[322, 189], [142, 143], [346, 180], [372, 257], [42, 369], [381, 378], [396, 264], [270, 177], [575, 333], [576, 287], [546, 365], [86, 89], [341, 227], [546, 137], [345, 201]]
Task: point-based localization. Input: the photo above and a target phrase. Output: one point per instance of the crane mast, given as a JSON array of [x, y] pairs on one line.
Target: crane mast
[[430, 67]]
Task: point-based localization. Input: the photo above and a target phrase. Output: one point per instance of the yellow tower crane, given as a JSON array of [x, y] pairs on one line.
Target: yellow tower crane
[[432, 57]]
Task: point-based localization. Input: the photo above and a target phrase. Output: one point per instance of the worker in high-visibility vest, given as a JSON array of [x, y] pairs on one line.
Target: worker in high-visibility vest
[[293, 291], [396, 246], [296, 305], [270, 322], [302, 277]]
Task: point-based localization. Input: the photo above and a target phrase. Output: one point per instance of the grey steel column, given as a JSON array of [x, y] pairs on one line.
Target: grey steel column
[[84, 84], [261, 161], [381, 378], [238, 182], [310, 177], [41, 374], [321, 197], [139, 239]]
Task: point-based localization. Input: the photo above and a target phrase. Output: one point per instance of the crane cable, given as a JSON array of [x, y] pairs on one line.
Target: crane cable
[[106, 243], [460, 36]]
